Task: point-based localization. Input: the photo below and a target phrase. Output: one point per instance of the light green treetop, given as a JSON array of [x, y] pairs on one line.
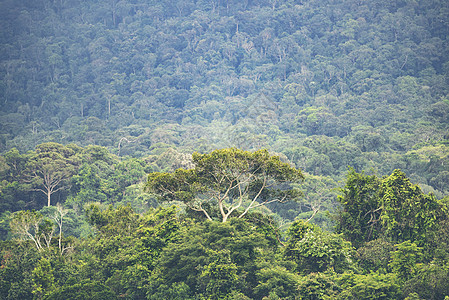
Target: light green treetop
[[231, 179]]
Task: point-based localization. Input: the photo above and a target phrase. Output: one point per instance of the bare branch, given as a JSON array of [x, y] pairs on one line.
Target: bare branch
[[250, 206]]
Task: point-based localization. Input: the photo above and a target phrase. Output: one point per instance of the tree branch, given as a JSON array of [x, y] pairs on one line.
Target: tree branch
[[255, 198]]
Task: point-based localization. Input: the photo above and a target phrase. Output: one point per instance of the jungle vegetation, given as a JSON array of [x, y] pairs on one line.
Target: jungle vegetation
[[222, 149]]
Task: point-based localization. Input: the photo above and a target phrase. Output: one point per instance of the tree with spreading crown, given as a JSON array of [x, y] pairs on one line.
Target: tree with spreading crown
[[231, 180]]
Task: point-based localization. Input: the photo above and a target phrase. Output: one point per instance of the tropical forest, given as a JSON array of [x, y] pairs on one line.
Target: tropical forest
[[224, 149]]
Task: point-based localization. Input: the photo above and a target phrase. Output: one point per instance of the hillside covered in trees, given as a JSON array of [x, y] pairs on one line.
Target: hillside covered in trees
[[327, 83], [112, 187]]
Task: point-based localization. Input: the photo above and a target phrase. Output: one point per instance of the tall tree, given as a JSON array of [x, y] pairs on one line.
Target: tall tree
[[228, 179], [31, 225], [50, 168]]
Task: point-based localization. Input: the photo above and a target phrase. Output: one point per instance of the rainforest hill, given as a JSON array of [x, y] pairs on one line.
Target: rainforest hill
[[327, 83], [221, 149]]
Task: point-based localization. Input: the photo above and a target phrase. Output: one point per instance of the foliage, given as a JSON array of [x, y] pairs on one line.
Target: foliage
[[84, 290], [370, 286], [314, 250], [405, 260], [231, 179], [213, 259], [17, 263], [430, 282], [31, 225], [162, 254], [391, 207], [50, 167], [43, 279], [276, 282], [375, 255], [359, 218], [97, 94], [344, 83], [69, 174], [318, 286], [407, 213]]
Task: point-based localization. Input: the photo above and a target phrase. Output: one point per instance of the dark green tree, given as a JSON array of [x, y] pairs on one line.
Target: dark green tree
[[213, 259], [314, 250], [360, 209]]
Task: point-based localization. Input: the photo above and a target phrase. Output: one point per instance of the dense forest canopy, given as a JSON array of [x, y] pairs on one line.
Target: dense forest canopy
[[222, 149], [327, 83]]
